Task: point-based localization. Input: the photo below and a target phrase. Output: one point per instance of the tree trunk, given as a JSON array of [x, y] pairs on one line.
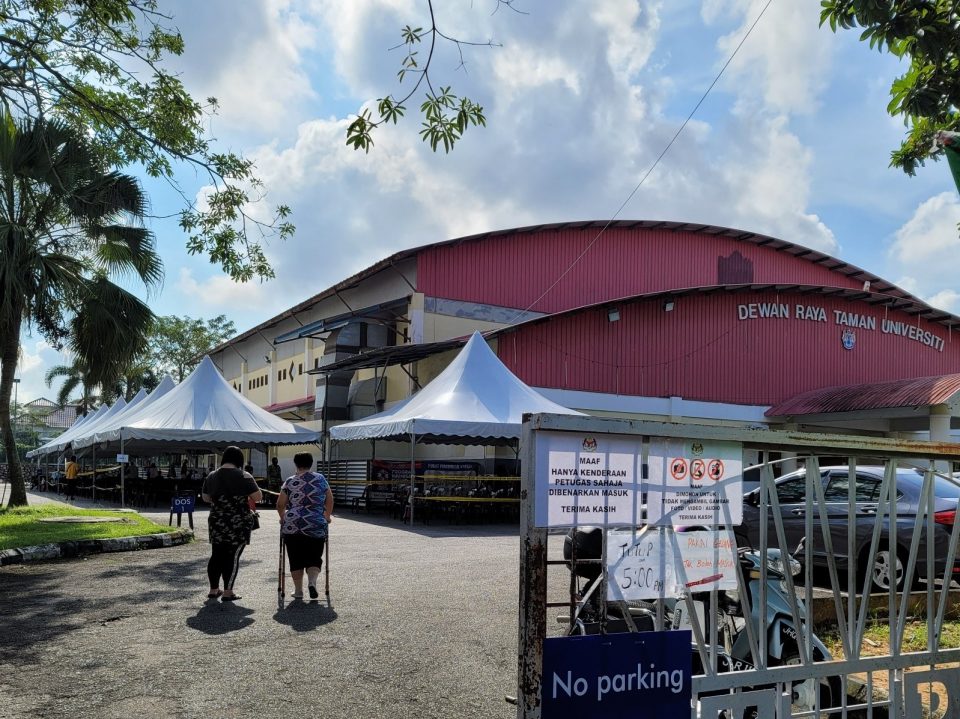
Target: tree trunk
[[9, 354]]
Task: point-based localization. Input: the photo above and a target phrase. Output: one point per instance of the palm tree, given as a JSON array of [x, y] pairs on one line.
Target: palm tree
[[67, 225], [74, 377]]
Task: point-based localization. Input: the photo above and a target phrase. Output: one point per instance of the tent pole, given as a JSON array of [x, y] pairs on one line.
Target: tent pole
[[413, 473], [93, 485], [123, 476]]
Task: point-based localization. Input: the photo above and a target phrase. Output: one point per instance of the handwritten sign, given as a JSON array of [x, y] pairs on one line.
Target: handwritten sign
[[651, 564], [695, 483], [587, 480]]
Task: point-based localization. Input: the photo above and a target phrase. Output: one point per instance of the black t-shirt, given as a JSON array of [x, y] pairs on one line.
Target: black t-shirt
[[230, 482]]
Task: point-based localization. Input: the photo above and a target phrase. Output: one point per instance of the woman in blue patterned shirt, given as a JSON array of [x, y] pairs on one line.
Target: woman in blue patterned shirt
[[305, 505]]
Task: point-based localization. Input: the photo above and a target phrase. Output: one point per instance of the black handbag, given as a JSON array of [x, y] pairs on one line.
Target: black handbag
[[255, 520]]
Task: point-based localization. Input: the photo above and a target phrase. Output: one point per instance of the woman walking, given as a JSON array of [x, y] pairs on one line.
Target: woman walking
[[305, 505], [229, 491]]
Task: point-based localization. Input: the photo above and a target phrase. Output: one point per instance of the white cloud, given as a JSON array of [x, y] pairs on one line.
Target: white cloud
[[36, 358], [930, 236], [255, 64], [569, 136], [786, 59], [948, 300], [219, 294], [927, 249]]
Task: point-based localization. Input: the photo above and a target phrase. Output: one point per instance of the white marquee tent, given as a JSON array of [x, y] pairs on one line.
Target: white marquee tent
[[475, 400], [204, 411], [142, 399]]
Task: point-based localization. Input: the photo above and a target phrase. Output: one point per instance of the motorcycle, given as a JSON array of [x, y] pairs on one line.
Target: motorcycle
[[582, 552]]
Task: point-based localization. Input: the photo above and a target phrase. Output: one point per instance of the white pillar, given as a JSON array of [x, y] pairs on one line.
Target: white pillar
[[940, 416]]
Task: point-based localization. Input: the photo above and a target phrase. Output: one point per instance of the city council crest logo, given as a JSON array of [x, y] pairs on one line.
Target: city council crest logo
[[697, 449], [848, 339], [589, 444]]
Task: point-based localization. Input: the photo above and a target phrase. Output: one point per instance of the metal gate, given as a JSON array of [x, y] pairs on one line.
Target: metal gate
[[848, 542]]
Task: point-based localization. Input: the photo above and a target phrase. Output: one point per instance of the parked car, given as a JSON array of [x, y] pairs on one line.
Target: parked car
[[887, 568]]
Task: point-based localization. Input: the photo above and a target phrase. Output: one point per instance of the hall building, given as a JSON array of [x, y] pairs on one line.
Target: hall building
[[666, 321]]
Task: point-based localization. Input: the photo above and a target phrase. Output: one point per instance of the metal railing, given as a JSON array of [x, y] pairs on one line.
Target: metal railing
[[847, 542]]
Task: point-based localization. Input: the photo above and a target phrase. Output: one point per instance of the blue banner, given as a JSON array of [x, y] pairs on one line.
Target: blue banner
[[617, 675]]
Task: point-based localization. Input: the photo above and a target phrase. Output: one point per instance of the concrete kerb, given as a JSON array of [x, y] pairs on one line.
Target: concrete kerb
[[82, 547]]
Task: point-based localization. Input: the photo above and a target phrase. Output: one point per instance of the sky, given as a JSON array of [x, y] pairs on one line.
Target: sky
[[580, 98]]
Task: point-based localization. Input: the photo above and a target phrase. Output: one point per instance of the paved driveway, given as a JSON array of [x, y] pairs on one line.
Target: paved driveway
[[423, 624]]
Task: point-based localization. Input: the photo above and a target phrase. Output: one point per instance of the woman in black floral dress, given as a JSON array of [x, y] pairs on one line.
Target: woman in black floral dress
[[229, 491]]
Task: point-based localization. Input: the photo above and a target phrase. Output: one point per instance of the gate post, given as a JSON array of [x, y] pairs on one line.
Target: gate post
[[533, 584]]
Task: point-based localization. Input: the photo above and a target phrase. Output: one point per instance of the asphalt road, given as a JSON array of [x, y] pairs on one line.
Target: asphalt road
[[423, 624]]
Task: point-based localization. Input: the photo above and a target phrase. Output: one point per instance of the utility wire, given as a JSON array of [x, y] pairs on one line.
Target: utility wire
[[648, 172]]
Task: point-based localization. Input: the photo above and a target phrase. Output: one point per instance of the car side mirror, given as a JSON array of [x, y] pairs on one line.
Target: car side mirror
[[753, 499]]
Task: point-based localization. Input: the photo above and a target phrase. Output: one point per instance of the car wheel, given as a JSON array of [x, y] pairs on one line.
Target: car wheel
[[888, 569]]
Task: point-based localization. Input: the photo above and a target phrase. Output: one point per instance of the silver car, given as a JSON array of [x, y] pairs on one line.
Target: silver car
[[889, 567]]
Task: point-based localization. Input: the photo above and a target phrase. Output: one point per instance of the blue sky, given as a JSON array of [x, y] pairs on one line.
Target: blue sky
[[794, 140]]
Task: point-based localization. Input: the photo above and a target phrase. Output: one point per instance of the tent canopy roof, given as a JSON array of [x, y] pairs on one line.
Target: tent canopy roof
[[475, 400], [204, 411]]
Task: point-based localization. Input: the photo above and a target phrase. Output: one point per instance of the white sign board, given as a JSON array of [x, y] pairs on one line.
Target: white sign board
[[584, 479], [651, 564], [695, 482], [123, 458]]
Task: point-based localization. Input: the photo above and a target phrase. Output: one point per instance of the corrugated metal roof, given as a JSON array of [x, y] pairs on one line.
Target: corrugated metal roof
[[832, 263], [908, 305], [915, 392]]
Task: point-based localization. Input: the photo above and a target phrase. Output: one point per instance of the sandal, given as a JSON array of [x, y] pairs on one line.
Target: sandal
[[234, 598], [215, 595]]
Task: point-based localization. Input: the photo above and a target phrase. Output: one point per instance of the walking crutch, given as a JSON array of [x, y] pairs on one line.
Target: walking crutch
[[326, 565], [282, 574]]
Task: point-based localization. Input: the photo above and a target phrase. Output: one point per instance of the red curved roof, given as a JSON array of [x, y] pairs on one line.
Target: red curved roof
[[595, 227], [913, 392]]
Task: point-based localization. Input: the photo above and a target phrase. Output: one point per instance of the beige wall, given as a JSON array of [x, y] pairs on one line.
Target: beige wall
[[444, 327]]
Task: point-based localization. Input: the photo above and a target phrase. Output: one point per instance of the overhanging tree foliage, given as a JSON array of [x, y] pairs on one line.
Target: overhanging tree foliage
[[97, 65], [67, 225], [927, 95], [446, 116], [177, 344]]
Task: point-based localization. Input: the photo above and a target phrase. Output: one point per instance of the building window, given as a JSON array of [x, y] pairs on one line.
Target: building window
[[316, 363], [300, 368]]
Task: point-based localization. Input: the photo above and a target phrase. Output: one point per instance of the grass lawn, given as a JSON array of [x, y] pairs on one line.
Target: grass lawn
[[876, 642], [877, 638], [21, 527]]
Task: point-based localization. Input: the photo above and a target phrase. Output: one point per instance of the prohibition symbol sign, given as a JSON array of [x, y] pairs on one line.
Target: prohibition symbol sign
[[678, 468], [697, 469], [715, 470]]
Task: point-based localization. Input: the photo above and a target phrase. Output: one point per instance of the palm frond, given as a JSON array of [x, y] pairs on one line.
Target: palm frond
[[109, 330], [128, 250]]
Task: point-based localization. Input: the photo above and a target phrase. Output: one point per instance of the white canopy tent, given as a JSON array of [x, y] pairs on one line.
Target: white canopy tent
[[475, 400], [93, 434], [203, 411], [58, 443]]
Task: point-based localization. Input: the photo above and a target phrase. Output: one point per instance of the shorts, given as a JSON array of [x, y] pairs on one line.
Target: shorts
[[304, 551]]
